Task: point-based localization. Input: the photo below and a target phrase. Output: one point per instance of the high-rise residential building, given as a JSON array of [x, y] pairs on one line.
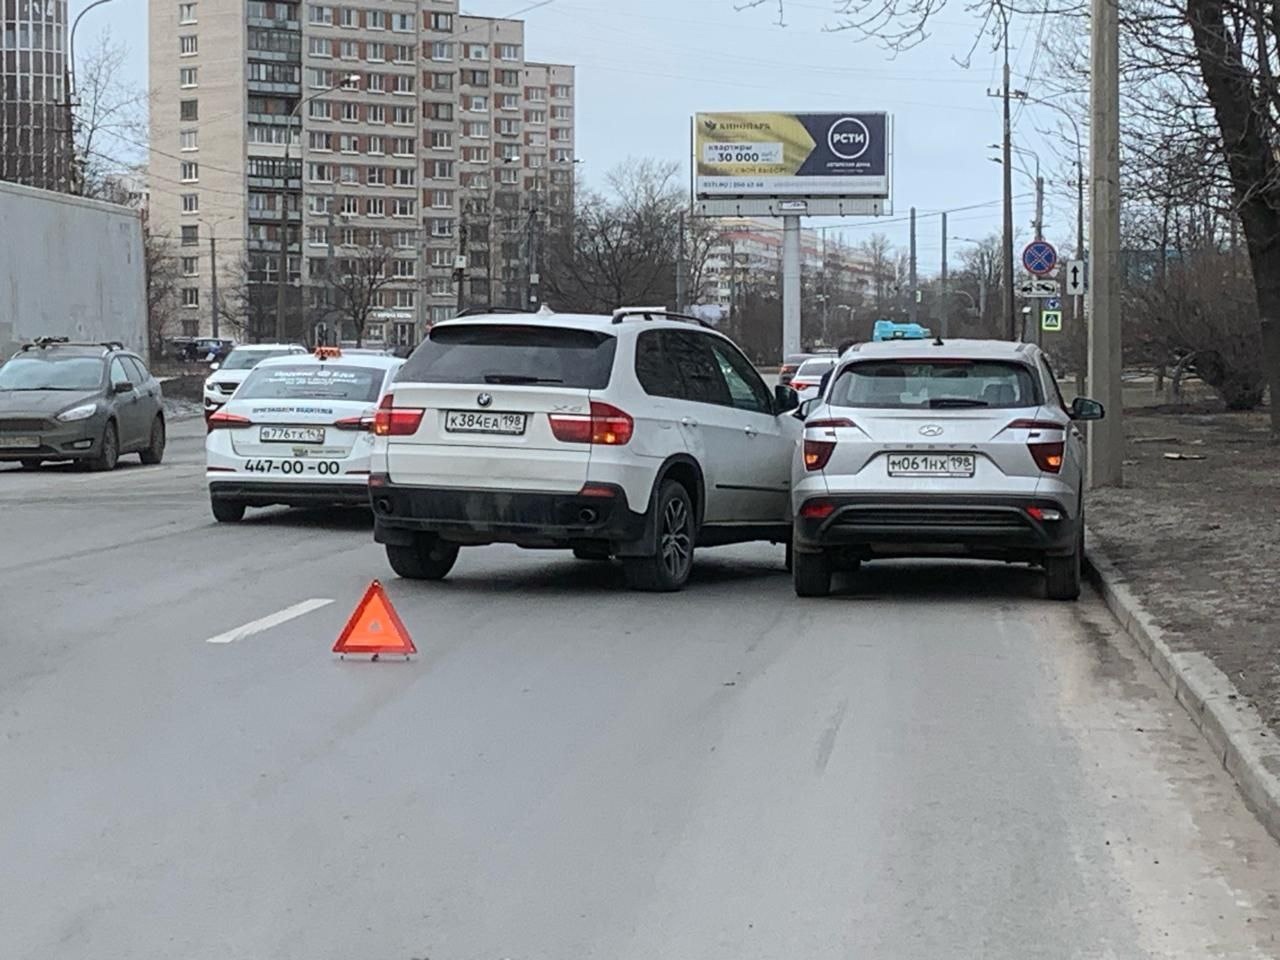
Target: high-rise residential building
[[391, 135], [35, 148]]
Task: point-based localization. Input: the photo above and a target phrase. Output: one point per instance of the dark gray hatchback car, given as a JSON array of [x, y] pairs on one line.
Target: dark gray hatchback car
[[91, 402]]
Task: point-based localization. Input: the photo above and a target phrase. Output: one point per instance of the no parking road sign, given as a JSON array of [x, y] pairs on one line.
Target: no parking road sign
[[1039, 257]]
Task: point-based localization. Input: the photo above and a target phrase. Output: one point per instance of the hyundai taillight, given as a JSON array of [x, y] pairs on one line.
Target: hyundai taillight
[[1048, 456], [817, 452], [393, 421], [221, 420], [817, 509], [605, 425]]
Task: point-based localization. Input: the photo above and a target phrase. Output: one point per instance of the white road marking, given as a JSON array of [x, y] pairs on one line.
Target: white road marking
[[274, 620]]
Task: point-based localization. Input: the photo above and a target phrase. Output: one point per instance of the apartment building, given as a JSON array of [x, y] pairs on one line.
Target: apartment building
[[372, 129], [34, 147]]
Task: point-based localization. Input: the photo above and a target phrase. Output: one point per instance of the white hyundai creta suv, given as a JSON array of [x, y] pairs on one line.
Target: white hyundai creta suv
[[924, 448], [640, 435]]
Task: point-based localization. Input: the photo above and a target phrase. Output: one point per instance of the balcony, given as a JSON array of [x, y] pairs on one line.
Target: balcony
[[274, 88]]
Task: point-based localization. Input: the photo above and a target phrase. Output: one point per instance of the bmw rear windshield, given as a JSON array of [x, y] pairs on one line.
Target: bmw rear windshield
[[313, 382], [934, 385], [522, 354]]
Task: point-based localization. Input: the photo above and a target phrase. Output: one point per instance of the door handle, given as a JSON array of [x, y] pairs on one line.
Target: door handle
[[688, 422]]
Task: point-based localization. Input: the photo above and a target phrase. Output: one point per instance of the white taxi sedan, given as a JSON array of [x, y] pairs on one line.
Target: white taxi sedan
[[297, 432]]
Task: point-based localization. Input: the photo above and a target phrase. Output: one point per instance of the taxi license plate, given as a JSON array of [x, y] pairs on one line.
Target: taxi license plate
[[19, 443], [467, 421], [322, 468], [931, 464], [291, 434]]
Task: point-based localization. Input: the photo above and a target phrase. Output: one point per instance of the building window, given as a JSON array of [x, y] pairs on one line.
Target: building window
[[404, 208], [560, 155], [509, 151], [319, 16], [536, 116], [188, 140], [508, 51], [190, 266], [404, 83], [349, 143], [477, 129], [508, 175], [404, 269], [190, 171], [508, 126], [190, 235], [475, 78], [441, 199], [186, 77], [562, 113], [438, 81], [260, 133], [442, 22], [318, 236], [375, 207], [476, 103], [404, 146], [442, 111], [439, 50], [376, 176], [322, 142], [561, 91], [374, 83], [441, 140], [403, 239], [477, 51], [350, 206], [440, 286], [319, 206], [188, 110], [403, 176], [320, 172], [536, 94], [186, 13], [319, 79], [561, 135], [508, 78], [376, 52], [190, 297], [348, 174], [320, 47], [376, 113], [404, 22], [441, 169], [188, 45], [441, 227], [441, 258], [319, 109], [404, 53], [404, 299], [350, 113], [349, 17], [509, 101], [349, 50], [403, 116], [475, 155], [375, 147]]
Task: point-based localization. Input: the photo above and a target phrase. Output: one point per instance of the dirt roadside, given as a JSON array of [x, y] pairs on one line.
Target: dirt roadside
[[1198, 540]]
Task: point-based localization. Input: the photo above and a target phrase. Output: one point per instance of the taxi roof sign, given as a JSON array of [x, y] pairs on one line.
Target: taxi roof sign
[[328, 353], [888, 330]]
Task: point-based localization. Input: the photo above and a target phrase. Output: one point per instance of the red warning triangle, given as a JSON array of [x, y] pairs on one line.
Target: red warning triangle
[[375, 627]]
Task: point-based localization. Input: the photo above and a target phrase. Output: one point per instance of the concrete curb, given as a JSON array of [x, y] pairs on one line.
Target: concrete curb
[[1231, 726]]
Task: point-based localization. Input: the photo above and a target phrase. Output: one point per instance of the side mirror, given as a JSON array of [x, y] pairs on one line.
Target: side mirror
[[785, 399], [214, 366], [123, 386], [806, 408], [1082, 408]]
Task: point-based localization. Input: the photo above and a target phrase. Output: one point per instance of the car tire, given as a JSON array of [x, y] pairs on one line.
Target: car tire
[[427, 558], [668, 569], [1062, 574], [108, 449], [597, 552], [227, 511], [811, 574], [154, 451]]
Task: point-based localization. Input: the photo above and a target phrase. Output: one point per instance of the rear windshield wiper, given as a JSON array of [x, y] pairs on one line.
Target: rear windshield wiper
[[516, 378], [937, 402]]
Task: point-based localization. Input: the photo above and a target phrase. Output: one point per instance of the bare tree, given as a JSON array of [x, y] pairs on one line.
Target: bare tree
[[355, 282], [162, 273], [110, 119]]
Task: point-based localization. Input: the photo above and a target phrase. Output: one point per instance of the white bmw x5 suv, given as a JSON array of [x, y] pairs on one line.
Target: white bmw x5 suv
[[640, 435]]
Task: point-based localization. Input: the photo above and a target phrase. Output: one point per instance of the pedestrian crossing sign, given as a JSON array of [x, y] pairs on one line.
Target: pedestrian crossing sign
[[1051, 320]]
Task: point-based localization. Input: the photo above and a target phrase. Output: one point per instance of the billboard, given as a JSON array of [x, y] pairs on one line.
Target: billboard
[[798, 155]]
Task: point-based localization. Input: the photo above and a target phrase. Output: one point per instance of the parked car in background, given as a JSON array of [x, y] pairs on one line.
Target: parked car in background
[[925, 448], [228, 375], [790, 364], [297, 432], [808, 376], [90, 402]]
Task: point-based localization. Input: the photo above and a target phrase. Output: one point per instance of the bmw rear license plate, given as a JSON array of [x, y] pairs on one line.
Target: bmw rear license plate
[[291, 434], [931, 464], [467, 421]]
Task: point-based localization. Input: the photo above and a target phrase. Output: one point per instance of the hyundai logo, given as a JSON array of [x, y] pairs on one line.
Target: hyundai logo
[[484, 400], [931, 430]]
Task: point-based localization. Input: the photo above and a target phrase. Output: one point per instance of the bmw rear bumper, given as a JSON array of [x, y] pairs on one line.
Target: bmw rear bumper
[[999, 526], [471, 516]]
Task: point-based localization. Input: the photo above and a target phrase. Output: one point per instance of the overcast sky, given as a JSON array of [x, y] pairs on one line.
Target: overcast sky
[[645, 66]]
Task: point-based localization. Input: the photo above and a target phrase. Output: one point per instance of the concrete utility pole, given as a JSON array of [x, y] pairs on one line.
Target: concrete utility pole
[[914, 306], [942, 309], [790, 284], [733, 280], [213, 278], [460, 267], [681, 282], [1011, 316], [1039, 207], [1106, 437]]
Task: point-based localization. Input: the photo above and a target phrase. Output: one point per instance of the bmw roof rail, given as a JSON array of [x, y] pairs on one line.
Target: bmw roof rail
[[481, 311], [656, 313]]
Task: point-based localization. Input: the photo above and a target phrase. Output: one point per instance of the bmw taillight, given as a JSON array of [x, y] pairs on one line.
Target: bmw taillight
[[605, 425], [817, 451], [393, 421], [221, 420]]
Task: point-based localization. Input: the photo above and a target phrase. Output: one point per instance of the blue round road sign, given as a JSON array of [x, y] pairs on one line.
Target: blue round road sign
[[1039, 257]]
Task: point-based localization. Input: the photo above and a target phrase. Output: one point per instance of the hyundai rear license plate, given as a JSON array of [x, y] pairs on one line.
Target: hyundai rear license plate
[[291, 434], [931, 464], [19, 443], [467, 421]]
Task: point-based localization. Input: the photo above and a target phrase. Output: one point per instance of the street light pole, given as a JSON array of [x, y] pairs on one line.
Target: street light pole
[[69, 81], [1011, 318], [282, 287]]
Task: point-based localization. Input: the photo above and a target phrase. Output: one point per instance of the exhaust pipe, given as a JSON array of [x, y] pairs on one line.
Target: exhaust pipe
[[588, 515], [384, 505]]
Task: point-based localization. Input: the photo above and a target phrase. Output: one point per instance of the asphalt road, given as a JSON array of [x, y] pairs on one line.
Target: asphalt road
[[933, 764]]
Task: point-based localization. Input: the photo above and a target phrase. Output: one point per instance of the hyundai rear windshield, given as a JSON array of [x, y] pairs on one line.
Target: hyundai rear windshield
[[934, 385], [513, 354], [313, 382]]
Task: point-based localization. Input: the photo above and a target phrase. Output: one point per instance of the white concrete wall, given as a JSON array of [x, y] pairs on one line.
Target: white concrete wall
[[69, 267]]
